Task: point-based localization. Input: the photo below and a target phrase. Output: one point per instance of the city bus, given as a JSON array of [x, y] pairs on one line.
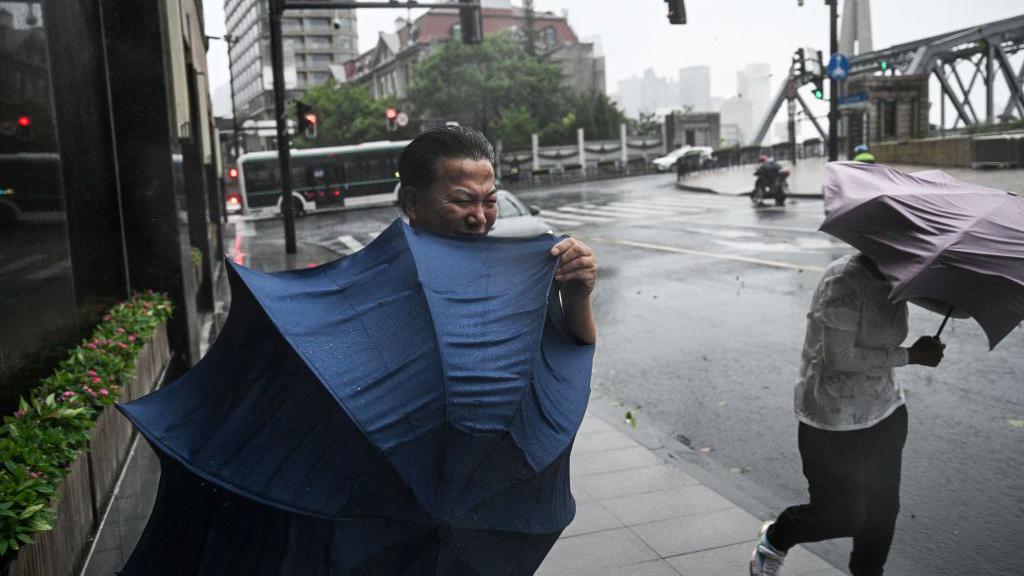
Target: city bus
[[331, 177]]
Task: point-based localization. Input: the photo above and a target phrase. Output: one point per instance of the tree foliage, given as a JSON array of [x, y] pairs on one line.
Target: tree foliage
[[347, 114]]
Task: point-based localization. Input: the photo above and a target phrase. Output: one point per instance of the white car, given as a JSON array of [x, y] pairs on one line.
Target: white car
[[668, 161], [517, 220]]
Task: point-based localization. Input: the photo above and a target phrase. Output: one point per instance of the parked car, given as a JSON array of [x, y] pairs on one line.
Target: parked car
[[516, 219], [668, 161]]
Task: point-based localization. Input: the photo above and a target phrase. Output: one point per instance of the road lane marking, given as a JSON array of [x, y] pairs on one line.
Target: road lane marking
[[595, 210], [351, 243], [686, 220], [716, 255]]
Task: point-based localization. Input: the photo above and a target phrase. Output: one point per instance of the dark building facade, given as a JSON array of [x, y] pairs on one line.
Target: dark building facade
[[108, 175]]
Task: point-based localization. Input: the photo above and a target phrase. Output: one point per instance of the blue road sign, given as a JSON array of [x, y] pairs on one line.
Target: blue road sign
[[838, 66], [853, 98]]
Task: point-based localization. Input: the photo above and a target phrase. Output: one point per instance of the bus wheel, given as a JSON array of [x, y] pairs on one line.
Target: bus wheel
[[297, 208]]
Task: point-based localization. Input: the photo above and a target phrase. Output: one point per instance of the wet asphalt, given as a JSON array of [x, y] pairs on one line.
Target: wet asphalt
[[701, 305]]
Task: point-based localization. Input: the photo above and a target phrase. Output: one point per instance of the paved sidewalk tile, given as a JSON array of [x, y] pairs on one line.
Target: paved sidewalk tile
[[611, 460], [596, 553], [732, 560], [635, 481], [654, 506], [693, 533]]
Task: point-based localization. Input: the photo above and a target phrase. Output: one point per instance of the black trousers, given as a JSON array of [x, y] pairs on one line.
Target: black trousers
[[854, 482]]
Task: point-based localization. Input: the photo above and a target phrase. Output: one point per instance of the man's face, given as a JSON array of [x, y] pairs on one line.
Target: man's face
[[463, 201]]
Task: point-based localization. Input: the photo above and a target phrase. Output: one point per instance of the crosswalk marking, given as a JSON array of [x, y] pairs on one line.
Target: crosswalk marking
[[559, 221], [584, 215], [654, 210], [351, 243], [590, 209]]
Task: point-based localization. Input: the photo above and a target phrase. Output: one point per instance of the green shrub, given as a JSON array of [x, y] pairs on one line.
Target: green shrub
[[51, 427]]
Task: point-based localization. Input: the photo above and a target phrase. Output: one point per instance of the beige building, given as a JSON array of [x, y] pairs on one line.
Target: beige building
[[387, 67]]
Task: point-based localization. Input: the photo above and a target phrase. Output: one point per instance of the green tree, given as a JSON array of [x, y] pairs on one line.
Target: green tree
[[346, 114], [494, 86], [645, 125]]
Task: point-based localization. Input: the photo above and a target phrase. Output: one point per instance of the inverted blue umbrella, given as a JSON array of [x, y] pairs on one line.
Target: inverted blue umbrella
[[409, 410]]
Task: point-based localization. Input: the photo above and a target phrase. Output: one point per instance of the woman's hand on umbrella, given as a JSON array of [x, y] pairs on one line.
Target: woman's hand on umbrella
[[577, 266], [927, 351]]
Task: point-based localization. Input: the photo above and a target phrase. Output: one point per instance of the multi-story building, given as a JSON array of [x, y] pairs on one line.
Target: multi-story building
[[316, 45], [695, 88], [388, 67]]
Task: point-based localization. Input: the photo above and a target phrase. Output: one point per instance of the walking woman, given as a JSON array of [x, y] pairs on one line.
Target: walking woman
[[852, 419]]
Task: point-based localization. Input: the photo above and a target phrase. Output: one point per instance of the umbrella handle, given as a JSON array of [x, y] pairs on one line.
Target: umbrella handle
[[946, 319]]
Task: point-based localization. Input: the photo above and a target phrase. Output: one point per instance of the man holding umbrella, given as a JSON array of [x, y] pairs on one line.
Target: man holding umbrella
[[448, 189]]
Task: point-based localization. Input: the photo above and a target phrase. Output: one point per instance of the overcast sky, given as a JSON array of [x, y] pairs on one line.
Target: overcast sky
[[723, 34]]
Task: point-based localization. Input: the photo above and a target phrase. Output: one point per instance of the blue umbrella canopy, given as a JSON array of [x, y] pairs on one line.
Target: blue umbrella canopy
[[409, 409]]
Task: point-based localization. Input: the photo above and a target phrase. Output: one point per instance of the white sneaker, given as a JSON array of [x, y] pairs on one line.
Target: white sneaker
[[766, 560]]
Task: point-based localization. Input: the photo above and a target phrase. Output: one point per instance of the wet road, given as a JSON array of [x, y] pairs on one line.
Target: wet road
[[701, 307]]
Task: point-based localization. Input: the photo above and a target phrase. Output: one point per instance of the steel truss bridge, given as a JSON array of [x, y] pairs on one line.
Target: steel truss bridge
[[984, 53], [965, 62]]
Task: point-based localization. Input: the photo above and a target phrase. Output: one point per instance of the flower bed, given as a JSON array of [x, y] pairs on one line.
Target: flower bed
[[65, 415]]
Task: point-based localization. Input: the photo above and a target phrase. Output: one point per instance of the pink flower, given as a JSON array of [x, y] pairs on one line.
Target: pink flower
[[119, 330], [91, 346], [104, 392], [96, 379], [68, 394], [34, 475], [106, 318], [122, 345], [91, 372], [19, 413], [132, 337]]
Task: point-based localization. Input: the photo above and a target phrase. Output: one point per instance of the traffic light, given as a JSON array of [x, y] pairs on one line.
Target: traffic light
[[233, 173], [883, 65], [471, 21], [819, 90], [306, 119], [392, 117], [676, 11], [799, 64]]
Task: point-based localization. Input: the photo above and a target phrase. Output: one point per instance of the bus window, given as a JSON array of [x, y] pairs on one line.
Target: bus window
[[260, 176]]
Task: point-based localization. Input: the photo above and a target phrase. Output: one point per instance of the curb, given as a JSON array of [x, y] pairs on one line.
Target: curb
[[703, 190]]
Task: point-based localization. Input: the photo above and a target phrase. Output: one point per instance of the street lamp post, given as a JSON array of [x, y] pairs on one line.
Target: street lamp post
[[833, 85], [283, 142]]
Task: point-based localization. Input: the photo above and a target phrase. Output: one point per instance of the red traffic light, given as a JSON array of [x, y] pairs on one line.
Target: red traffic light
[[391, 113], [24, 121], [310, 119], [233, 173]]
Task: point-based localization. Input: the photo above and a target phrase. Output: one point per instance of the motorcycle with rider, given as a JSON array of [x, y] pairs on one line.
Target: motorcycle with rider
[[771, 182]]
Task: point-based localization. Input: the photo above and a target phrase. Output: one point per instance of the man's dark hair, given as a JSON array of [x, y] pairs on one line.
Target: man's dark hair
[[419, 164]]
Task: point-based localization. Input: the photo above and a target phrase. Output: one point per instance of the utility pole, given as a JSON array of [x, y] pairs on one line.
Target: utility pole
[[531, 34], [833, 84]]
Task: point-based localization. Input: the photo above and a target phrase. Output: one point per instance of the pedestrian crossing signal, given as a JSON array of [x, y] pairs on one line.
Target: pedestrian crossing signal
[[883, 65], [819, 90]]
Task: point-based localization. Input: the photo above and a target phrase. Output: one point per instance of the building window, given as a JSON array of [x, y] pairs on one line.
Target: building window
[[318, 41], [291, 25], [317, 78], [549, 37], [456, 32], [344, 42], [318, 24], [319, 59]]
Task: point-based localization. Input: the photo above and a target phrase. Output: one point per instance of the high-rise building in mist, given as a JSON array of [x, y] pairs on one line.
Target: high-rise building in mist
[[695, 88]]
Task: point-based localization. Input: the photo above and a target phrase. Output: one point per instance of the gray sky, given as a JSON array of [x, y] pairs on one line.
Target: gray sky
[[723, 34]]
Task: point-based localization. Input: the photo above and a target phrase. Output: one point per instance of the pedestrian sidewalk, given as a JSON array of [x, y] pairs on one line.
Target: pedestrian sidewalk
[[639, 513], [804, 181]]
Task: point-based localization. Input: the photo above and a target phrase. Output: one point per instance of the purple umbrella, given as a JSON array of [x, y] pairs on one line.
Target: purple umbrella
[[935, 237]]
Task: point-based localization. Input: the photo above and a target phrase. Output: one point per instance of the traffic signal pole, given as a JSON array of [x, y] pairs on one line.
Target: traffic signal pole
[[833, 85], [469, 10], [283, 141]]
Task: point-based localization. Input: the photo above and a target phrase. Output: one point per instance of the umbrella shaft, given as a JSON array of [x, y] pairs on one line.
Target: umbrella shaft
[[946, 319]]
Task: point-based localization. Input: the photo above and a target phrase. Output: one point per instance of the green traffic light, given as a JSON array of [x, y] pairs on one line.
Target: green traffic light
[[883, 65], [819, 94]]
